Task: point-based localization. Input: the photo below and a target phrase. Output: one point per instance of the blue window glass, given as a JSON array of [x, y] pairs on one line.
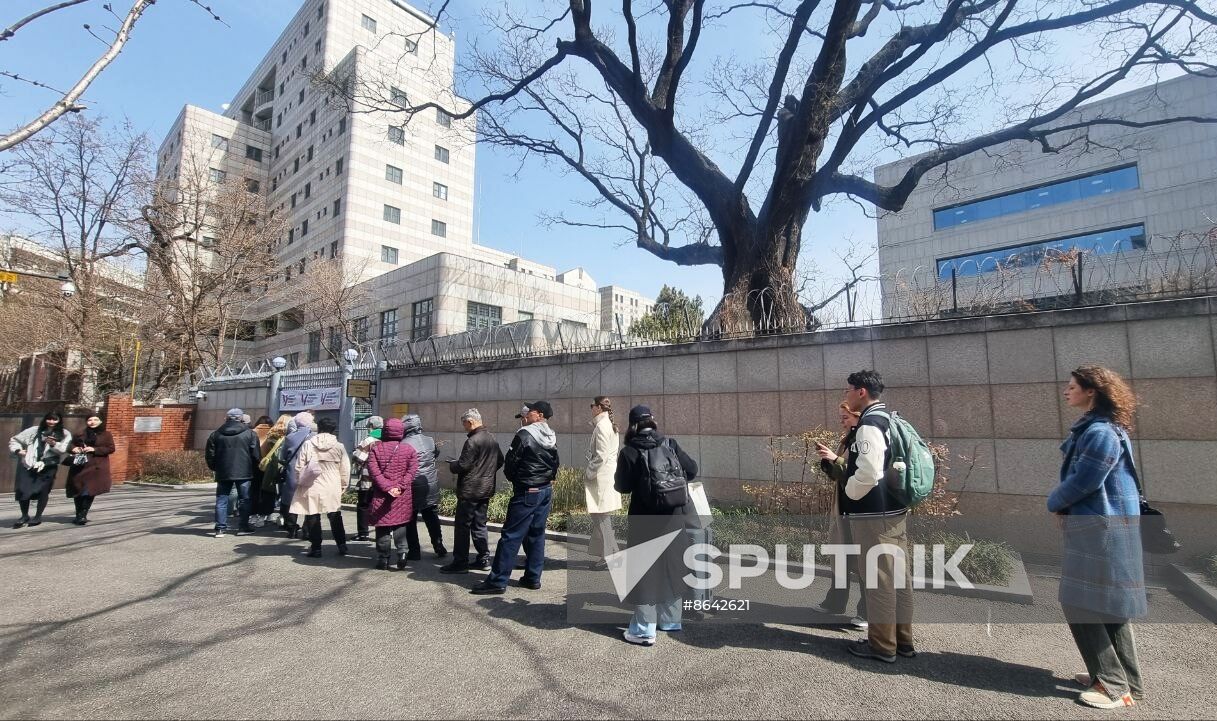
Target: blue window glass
[[1066, 191], [1117, 240]]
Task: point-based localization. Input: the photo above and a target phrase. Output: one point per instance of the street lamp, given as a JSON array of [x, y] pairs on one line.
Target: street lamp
[[278, 363], [351, 355]]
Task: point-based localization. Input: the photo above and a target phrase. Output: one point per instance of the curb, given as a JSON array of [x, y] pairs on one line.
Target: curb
[[1017, 590], [170, 487], [1197, 586]]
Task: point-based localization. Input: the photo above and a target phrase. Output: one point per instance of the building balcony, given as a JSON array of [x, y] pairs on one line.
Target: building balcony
[[262, 124], [263, 98]]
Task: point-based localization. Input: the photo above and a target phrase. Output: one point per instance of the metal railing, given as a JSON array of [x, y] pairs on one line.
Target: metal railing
[[262, 97]]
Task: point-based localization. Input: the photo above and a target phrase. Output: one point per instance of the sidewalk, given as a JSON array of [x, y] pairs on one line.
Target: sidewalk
[[142, 614]]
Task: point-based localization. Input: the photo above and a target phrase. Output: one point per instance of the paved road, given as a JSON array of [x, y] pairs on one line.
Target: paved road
[[142, 615]]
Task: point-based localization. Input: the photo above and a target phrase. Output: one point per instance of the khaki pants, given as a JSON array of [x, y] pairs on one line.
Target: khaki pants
[[889, 609], [603, 541]]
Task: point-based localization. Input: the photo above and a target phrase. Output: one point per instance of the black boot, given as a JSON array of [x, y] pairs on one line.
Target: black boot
[[414, 554], [382, 563], [401, 562], [438, 545]]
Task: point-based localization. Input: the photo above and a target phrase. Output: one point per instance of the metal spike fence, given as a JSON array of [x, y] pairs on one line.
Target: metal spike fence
[[997, 285]]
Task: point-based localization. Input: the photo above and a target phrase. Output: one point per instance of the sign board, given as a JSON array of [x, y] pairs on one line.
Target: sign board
[[310, 399], [147, 424], [358, 388], [7, 277], [399, 410]]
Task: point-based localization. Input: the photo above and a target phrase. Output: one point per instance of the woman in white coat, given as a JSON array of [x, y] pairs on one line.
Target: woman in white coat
[[322, 469], [602, 498]]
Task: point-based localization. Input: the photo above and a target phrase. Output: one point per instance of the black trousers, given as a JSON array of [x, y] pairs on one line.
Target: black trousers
[[470, 523], [83, 504], [361, 511], [264, 500], [430, 516], [389, 536], [312, 529]]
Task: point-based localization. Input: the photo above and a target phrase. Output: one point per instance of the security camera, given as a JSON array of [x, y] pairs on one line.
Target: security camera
[[68, 289], [200, 395]]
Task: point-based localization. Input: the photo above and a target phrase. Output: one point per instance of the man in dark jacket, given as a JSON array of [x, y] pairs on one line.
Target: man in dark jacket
[[476, 471], [233, 454], [531, 466]]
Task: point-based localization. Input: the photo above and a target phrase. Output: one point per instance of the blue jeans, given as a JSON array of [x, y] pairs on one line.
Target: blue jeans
[[223, 489], [645, 615], [527, 513]]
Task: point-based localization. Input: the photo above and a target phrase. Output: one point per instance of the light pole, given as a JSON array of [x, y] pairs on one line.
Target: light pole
[[68, 289], [276, 379], [346, 416]]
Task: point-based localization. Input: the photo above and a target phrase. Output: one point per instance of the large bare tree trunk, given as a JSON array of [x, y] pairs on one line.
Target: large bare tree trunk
[[759, 289]]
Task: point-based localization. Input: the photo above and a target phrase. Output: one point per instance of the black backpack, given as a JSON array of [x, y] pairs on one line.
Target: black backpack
[[669, 490]]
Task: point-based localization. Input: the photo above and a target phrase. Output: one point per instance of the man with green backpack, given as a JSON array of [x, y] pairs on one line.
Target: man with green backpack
[[886, 475]]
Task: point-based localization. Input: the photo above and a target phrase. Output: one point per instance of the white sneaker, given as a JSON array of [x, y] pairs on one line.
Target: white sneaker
[[258, 521], [1097, 697], [639, 640], [276, 519], [220, 534], [859, 624]]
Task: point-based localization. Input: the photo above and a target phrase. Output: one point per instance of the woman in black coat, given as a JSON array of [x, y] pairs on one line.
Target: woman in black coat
[[658, 596], [92, 478], [38, 450]]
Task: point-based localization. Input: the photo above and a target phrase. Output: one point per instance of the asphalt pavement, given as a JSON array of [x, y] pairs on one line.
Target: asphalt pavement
[[142, 614]]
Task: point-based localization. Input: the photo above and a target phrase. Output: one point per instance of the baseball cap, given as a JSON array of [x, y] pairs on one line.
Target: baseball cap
[[638, 413], [542, 407], [235, 413]]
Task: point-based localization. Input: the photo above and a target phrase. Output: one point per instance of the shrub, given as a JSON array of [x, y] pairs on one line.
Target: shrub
[[989, 562], [174, 467]]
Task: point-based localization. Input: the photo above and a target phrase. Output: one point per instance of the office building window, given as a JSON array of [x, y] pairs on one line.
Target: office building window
[[335, 345], [388, 254], [216, 175], [296, 166], [523, 315], [252, 186], [411, 45], [300, 98], [304, 228], [291, 236], [308, 190], [441, 154], [1065, 191], [314, 346], [359, 329], [440, 228], [320, 11], [208, 241], [310, 152], [1107, 242], [306, 29], [439, 190], [342, 125], [483, 316], [219, 142], [388, 324], [334, 249], [421, 314], [312, 117], [368, 23], [397, 135], [293, 361], [317, 46], [254, 154], [397, 96], [294, 199], [392, 214], [393, 174], [443, 118], [337, 206], [338, 167]]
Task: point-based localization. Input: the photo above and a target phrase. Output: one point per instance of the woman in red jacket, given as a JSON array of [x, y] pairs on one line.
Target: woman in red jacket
[[392, 466]]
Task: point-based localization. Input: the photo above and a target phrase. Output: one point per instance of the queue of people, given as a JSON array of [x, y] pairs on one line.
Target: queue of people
[[294, 470]]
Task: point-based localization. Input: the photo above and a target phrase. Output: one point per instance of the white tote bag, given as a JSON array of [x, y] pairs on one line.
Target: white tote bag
[[701, 503]]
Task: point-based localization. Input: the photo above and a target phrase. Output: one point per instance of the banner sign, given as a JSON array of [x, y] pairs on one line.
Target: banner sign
[[310, 399]]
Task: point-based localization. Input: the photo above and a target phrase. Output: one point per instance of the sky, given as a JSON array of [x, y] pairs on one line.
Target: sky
[[179, 55]]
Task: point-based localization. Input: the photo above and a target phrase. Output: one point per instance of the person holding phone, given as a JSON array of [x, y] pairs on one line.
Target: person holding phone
[[91, 478], [833, 463], [39, 450]]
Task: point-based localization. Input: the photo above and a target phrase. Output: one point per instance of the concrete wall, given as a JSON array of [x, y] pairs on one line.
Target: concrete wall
[[989, 388]]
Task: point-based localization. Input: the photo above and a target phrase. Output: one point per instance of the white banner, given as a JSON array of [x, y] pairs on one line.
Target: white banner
[[310, 399]]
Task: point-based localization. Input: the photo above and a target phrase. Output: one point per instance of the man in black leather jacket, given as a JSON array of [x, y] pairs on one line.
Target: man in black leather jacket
[[531, 466], [475, 472]]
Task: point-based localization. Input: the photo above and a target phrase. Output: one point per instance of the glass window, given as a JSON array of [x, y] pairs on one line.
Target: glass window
[[304, 228], [411, 46], [337, 206], [359, 329], [1065, 191], [388, 324], [334, 249], [252, 186], [440, 228], [483, 316], [1107, 242], [308, 190], [342, 125], [397, 135], [314, 346], [219, 142], [523, 315], [368, 23], [441, 154], [443, 118], [397, 96], [216, 175], [393, 174], [335, 345], [254, 154], [392, 214], [388, 254], [421, 314], [338, 167], [439, 190]]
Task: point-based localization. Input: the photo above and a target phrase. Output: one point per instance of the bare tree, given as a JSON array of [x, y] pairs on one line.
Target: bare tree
[[76, 190], [849, 80], [209, 248], [70, 100], [335, 305]]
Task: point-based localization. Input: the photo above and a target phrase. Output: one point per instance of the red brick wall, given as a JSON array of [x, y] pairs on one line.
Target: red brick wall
[[177, 426]]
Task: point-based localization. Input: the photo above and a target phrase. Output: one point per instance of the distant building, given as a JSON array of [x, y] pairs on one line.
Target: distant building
[[1015, 207]]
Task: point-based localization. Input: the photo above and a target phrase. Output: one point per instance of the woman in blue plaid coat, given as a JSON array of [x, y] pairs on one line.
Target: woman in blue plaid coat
[[1098, 504]]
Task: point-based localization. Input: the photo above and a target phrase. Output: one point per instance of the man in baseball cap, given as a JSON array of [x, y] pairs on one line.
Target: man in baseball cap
[[531, 465]]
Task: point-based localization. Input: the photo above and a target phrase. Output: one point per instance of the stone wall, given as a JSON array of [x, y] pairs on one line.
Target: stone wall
[[176, 434], [989, 388]]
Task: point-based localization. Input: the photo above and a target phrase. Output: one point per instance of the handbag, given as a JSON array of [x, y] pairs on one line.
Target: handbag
[[79, 459], [701, 505], [1155, 536]]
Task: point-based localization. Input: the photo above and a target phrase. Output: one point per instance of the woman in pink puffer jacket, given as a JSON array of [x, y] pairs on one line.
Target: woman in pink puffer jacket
[[392, 466]]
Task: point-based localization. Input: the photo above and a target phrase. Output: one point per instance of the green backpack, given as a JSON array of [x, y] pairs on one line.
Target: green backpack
[[910, 477]]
